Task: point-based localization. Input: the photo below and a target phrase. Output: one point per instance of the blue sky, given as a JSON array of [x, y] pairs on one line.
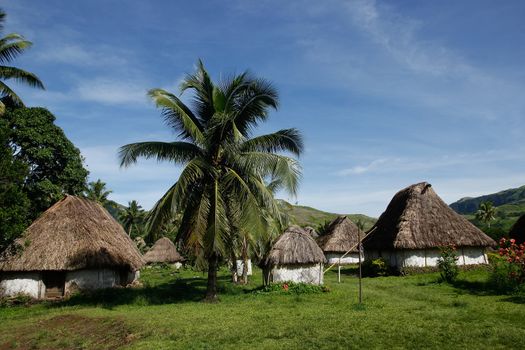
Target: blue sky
[[386, 93]]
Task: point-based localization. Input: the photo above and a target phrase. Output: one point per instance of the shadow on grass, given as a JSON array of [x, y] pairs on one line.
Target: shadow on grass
[[178, 291], [485, 288]]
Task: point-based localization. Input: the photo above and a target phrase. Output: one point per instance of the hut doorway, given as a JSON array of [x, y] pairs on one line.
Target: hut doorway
[[54, 282]]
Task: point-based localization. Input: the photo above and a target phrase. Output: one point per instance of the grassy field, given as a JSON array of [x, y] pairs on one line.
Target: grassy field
[[398, 312]]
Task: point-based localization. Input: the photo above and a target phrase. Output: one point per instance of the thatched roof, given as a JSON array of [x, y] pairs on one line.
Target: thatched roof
[[417, 218], [295, 246], [311, 231], [518, 230], [75, 233], [341, 236], [163, 251]]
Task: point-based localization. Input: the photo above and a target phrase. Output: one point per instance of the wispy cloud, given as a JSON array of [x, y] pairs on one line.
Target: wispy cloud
[[361, 169], [77, 55], [112, 91]]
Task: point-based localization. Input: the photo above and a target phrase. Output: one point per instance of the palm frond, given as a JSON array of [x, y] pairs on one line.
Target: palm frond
[[11, 46], [289, 140], [21, 76], [11, 95], [177, 115], [200, 82], [177, 152]]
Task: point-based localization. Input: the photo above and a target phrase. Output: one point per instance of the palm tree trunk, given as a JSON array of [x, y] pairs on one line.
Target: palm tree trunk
[[234, 265], [244, 261], [211, 288]]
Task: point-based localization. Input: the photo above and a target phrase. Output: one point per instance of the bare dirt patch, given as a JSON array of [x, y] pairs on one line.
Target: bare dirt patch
[[69, 332]]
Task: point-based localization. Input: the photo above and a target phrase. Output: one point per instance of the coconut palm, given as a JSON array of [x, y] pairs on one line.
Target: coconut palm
[[131, 216], [221, 188], [97, 192], [11, 46], [486, 212]]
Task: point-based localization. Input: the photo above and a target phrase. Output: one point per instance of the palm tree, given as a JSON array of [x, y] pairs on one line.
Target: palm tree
[[97, 192], [11, 46], [131, 216], [486, 212], [221, 189]]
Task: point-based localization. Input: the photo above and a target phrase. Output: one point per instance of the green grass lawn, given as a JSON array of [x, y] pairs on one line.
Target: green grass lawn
[[398, 312]]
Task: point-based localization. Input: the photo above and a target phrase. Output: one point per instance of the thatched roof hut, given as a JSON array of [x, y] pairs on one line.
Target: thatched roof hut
[[518, 230], [342, 237], [296, 257], [163, 251], [295, 246], [418, 219], [75, 234]]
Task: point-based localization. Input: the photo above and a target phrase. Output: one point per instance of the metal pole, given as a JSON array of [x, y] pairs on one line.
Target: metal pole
[[359, 253], [339, 274]]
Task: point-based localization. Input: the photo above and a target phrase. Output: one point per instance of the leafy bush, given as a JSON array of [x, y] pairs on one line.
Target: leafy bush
[[447, 264], [508, 269], [292, 288], [375, 267]]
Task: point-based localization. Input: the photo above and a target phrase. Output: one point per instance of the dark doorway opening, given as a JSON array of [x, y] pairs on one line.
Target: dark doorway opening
[[55, 282]]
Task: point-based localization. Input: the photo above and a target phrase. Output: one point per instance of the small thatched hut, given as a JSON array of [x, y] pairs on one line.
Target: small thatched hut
[[75, 244], [342, 236], [163, 251], [295, 257], [518, 230], [416, 224]]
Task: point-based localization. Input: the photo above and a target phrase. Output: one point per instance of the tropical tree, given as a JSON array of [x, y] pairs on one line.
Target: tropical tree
[[55, 166], [96, 191], [131, 217], [221, 189], [11, 46], [486, 212]]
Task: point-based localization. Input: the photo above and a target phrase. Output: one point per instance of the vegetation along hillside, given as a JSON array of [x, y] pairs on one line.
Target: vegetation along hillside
[[307, 216], [509, 206]]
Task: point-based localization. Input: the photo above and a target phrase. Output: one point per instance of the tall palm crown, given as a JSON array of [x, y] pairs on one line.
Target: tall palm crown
[[11, 46], [97, 191], [486, 212], [131, 216], [221, 190]]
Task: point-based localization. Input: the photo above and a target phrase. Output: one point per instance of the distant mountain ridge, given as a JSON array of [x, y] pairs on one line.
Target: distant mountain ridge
[[514, 196]]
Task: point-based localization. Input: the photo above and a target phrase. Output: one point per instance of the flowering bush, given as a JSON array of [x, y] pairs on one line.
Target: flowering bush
[[447, 263], [292, 288], [509, 271]]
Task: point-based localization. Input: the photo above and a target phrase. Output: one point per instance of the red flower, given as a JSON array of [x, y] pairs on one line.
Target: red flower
[[285, 287]]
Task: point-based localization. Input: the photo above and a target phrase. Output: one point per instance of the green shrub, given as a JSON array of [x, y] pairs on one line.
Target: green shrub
[[447, 264], [375, 267], [499, 278]]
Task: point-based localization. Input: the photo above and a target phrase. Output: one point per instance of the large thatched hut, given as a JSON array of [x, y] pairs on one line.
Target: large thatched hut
[[75, 244], [518, 230], [341, 237], [163, 251], [416, 224], [295, 257]]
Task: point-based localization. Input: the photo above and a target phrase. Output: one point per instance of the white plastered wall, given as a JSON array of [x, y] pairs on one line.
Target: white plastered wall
[[92, 279], [428, 257], [311, 273], [240, 267], [350, 258], [28, 283]]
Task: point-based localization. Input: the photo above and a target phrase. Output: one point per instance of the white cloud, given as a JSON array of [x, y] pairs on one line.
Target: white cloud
[[361, 169], [112, 91], [74, 54]]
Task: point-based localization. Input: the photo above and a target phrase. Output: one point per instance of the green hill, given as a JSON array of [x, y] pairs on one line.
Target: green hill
[[307, 216], [510, 205], [513, 196]]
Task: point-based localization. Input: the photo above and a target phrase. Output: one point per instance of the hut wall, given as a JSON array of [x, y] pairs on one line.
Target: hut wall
[[351, 258], [92, 279], [310, 273], [28, 283], [427, 257], [240, 267]]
